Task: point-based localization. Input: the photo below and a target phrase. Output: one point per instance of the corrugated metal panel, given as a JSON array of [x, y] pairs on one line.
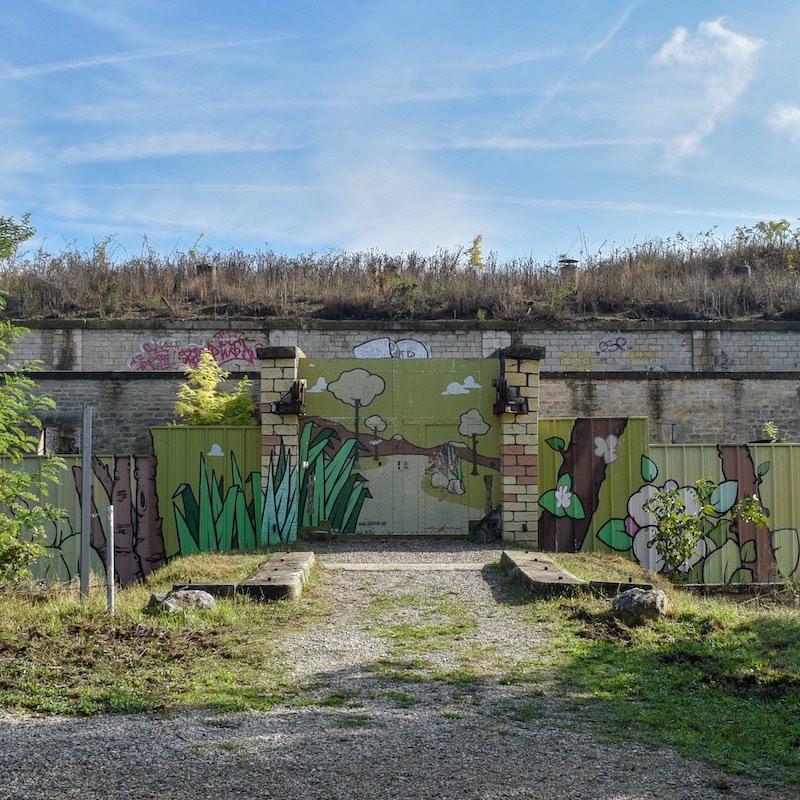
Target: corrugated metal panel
[[769, 470], [182, 450], [686, 463], [605, 471], [63, 536]]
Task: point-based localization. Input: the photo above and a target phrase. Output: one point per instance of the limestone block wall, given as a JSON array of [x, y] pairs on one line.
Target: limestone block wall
[[695, 381], [687, 409]]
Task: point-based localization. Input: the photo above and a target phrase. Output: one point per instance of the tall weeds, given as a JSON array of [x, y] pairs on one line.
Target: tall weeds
[[752, 274]]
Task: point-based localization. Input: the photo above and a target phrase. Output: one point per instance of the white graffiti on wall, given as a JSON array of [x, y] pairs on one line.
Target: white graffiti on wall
[[384, 347], [229, 348]]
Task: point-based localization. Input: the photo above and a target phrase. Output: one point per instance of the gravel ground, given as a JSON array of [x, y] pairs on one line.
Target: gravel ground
[[360, 732]]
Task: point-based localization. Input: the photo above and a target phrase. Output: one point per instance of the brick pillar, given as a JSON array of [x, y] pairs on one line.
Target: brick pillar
[[519, 446], [280, 433]]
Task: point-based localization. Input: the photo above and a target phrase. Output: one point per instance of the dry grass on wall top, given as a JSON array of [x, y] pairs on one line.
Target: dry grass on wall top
[[751, 275]]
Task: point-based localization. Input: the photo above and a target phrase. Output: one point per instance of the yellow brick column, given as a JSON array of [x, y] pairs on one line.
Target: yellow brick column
[[519, 446], [280, 433]]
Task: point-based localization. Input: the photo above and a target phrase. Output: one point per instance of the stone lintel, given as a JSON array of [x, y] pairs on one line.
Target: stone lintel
[[523, 352], [274, 353]]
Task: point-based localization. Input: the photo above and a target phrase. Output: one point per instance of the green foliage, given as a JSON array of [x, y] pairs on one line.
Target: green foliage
[[684, 514], [23, 523], [678, 530], [202, 402], [770, 431], [13, 234], [475, 255]]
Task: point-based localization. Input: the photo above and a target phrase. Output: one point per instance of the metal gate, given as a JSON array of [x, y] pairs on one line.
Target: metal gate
[[400, 445]]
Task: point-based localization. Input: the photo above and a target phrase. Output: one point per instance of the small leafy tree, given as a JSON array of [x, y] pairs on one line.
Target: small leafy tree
[[679, 529], [202, 402], [475, 253], [13, 234], [23, 515]]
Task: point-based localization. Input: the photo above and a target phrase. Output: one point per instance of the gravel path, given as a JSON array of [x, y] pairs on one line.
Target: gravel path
[[366, 728]]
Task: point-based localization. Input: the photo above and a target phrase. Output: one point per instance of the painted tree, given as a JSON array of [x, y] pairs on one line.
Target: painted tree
[[357, 388], [570, 506], [138, 538], [377, 424], [737, 466], [472, 425]]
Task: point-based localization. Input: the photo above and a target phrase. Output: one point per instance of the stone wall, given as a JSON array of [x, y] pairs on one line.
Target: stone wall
[[695, 381]]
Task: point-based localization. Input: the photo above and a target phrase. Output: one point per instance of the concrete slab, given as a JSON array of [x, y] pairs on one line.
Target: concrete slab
[[282, 575], [540, 575]]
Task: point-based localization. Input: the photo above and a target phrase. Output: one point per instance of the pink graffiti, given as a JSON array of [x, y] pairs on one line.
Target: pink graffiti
[[161, 356], [167, 355], [230, 346]]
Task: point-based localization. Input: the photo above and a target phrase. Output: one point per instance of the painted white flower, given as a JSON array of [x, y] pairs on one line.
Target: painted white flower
[[563, 497], [638, 500], [606, 448]]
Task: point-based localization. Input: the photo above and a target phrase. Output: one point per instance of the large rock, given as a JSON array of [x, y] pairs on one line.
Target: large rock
[[179, 600], [638, 606]]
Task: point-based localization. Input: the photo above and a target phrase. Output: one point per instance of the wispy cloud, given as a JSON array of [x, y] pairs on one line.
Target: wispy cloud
[[715, 65], [628, 206], [169, 143], [785, 118], [590, 52], [38, 70]]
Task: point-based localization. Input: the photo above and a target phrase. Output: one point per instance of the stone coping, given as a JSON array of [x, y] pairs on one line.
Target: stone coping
[[313, 324], [282, 575]]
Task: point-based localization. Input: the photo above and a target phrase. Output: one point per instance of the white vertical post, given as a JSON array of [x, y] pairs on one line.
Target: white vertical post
[[110, 559], [86, 500]]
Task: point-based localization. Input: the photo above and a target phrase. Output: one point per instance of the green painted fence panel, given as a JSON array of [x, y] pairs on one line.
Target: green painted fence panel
[[63, 537], [205, 480], [596, 464]]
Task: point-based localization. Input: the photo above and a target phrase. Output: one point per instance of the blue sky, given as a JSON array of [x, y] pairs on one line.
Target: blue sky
[[570, 127]]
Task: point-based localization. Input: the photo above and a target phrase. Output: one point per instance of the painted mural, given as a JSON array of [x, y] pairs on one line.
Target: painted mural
[[408, 447], [597, 476], [127, 483]]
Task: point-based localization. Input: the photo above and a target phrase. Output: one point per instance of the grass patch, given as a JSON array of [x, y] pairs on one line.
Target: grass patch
[[58, 655], [719, 681], [401, 699]]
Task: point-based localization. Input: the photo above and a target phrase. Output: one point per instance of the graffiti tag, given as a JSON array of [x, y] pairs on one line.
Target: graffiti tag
[[577, 360], [169, 355], [384, 347], [617, 345]]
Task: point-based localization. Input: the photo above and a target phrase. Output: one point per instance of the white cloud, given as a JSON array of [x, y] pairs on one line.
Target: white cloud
[[710, 70], [320, 386], [455, 388], [786, 119]]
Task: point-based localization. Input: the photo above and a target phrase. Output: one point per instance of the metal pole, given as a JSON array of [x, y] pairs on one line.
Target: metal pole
[[86, 500], [110, 559]]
